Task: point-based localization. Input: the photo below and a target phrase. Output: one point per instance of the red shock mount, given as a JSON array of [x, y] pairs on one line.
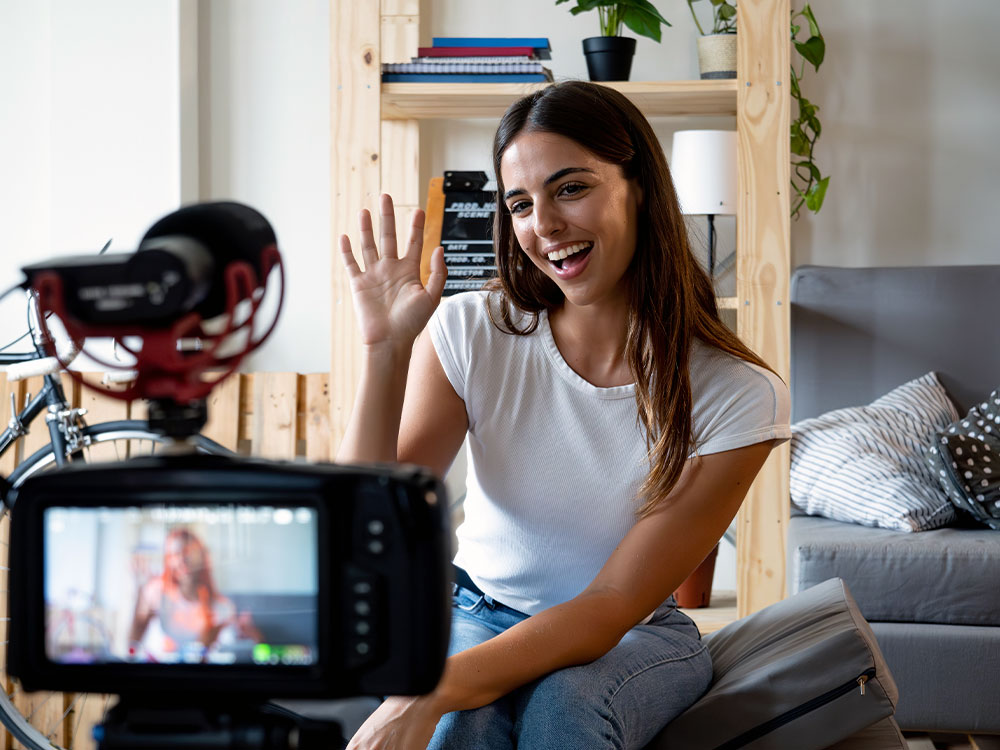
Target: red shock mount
[[175, 379]]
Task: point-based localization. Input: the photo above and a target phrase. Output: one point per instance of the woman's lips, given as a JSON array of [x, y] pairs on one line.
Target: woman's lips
[[574, 265]]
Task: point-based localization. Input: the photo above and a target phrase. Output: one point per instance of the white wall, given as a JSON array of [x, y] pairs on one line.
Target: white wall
[[89, 146]]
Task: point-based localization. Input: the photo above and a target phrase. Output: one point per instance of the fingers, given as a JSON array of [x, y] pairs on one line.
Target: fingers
[[415, 245], [369, 251], [439, 273], [387, 216], [347, 255]]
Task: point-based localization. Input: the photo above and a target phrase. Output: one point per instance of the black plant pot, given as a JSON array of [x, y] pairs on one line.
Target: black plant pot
[[609, 58]]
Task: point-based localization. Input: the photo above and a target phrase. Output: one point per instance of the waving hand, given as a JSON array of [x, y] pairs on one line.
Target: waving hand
[[391, 304]]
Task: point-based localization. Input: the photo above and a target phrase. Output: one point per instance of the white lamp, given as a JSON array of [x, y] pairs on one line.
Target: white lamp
[[703, 164]]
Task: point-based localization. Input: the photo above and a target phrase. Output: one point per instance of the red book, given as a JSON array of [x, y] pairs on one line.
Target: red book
[[475, 51]]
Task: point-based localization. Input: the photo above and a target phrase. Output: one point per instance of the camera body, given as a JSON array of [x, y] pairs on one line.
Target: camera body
[[331, 580]]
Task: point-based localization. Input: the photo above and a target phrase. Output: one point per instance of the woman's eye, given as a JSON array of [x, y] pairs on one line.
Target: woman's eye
[[572, 188], [518, 207]]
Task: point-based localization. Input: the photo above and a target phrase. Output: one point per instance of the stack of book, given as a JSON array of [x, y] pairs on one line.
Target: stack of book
[[474, 60]]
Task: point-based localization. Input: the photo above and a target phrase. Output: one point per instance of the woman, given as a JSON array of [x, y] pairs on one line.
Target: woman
[[191, 612], [614, 427]]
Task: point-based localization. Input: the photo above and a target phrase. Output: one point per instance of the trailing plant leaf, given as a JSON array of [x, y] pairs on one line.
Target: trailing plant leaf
[[723, 17], [808, 182]]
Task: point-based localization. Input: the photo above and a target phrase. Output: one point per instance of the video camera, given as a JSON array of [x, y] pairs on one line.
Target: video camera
[[211, 584]]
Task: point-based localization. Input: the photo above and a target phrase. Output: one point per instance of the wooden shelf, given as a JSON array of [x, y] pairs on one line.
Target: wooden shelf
[[408, 101], [721, 612]]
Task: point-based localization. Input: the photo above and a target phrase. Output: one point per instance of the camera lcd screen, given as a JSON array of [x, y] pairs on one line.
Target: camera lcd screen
[[179, 584]]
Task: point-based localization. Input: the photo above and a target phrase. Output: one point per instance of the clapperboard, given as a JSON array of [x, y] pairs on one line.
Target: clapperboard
[[467, 231]]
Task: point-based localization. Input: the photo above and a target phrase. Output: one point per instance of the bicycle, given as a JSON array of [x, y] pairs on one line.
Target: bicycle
[[71, 439]]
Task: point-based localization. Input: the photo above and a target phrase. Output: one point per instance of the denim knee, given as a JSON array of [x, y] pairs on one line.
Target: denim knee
[[489, 728]]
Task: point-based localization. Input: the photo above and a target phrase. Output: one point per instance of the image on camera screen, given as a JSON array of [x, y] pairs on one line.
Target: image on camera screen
[[162, 584]]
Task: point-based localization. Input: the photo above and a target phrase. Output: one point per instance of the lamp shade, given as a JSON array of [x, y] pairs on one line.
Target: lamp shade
[[703, 164]]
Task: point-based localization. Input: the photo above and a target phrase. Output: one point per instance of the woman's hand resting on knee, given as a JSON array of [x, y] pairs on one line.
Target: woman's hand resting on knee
[[400, 723], [391, 304]]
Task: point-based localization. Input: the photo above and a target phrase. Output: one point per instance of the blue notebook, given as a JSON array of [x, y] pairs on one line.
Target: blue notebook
[[540, 44], [464, 78]]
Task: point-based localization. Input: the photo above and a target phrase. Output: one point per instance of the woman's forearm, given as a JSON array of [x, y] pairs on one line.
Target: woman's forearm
[[575, 632], [373, 428]]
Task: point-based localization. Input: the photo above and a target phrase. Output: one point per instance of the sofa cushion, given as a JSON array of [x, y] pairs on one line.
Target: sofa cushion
[[947, 576], [966, 459], [788, 676], [866, 465]]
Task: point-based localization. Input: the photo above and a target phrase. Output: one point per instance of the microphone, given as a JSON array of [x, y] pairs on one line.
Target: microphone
[[179, 267]]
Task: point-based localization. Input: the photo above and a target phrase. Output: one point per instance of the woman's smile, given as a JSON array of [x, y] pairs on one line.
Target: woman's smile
[[573, 214]]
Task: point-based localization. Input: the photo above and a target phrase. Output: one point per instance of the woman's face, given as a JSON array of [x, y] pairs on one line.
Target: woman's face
[[573, 214]]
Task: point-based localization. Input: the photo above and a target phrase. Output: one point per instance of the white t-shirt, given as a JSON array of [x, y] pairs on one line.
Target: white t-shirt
[[555, 463]]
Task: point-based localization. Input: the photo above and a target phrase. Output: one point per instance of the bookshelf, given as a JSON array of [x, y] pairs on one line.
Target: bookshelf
[[371, 123]]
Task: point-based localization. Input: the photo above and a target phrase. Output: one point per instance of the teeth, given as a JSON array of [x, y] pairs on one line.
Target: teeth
[[568, 251]]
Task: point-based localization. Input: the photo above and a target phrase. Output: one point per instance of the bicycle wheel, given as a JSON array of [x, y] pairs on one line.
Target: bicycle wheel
[[39, 720]]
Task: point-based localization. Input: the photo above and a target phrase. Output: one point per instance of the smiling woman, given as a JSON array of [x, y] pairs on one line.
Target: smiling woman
[[614, 427]]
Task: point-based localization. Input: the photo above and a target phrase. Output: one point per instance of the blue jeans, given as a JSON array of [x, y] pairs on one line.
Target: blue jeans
[[619, 701]]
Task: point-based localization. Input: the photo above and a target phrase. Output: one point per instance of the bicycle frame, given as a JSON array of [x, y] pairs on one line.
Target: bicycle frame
[[51, 398]]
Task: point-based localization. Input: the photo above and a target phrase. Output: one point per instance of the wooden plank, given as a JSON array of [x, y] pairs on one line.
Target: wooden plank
[[275, 406], [432, 224], [400, 8], [223, 424], [86, 710], [10, 458], [103, 408], [317, 417], [407, 101], [762, 276], [355, 141], [38, 430]]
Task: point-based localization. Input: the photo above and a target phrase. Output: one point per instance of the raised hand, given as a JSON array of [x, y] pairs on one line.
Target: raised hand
[[391, 304]]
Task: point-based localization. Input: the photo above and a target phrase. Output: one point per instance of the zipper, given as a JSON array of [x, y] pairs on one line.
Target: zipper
[[755, 733]]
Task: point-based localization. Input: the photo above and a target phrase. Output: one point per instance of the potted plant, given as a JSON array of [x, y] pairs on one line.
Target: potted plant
[[717, 50], [807, 181], [609, 56]]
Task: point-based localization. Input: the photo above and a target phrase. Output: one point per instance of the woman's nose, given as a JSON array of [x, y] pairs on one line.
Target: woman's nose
[[548, 222]]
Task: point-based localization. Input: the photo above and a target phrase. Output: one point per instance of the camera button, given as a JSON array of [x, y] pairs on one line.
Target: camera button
[[362, 608], [362, 627], [375, 527], [376, 547]]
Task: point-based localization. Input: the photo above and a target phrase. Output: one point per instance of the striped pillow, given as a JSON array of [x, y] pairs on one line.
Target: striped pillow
[[866, 465]]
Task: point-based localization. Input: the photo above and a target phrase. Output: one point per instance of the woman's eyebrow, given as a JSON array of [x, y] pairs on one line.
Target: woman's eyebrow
[[548, 180]]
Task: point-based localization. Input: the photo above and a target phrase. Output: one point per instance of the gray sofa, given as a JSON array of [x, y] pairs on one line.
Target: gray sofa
[[933, 597]]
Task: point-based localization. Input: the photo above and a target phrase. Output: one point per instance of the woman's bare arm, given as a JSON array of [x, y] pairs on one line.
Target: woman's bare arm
[[650, 563], [392, 307]]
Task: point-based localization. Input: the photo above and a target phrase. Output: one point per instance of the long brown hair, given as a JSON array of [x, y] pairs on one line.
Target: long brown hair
[[671, 299]]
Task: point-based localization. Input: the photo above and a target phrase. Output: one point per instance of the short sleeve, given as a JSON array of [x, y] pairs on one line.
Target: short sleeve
[[451, 333], [736, 403]]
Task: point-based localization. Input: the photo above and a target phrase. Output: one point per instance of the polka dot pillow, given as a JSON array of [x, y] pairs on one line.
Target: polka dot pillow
[[966, 460]]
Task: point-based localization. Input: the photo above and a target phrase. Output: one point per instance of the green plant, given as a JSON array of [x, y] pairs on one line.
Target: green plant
[[639, 15], [809, 184], [723, 17]]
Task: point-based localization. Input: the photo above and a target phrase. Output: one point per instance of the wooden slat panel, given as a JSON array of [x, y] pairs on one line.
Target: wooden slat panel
[[762, 276], [355, 176], [400, 7], [317, 412], [223, 424], [275, 406], [38, 430], [86, 710], [47, 712], [9, 459], [103, 408]]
